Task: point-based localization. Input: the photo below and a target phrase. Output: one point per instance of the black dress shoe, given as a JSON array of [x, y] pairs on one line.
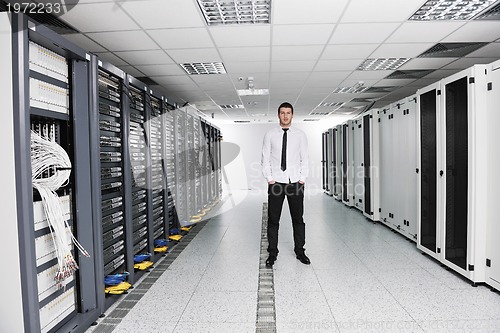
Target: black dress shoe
[[270, 261], [303, 259]]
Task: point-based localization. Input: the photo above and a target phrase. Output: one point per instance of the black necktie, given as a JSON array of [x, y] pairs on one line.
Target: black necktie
[[283, 150]]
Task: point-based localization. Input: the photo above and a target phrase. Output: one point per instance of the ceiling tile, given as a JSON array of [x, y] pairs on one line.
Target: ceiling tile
[[423, 32], [292, 66], [85, 43], [288, 76], [380, 11], [366, 33], [316, 11], [233, 36], [148, 57], [179, 82], [120, 40], [401, 50], [426, 63], [184, 38], [194, 55], [247, 67], [348, 51], [337, 65], [160, 70], [311, 34], [307, 52], [261, 53], [328, 78], [96, 18], [476, 32], [394, 82], [153, 14]]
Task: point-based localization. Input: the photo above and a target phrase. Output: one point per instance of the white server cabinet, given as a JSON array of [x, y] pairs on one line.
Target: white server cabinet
[[358, 165], [324, 173], [337, 163], [387, 182], [371, 165], [461, 173], [428, 109], [398, 182], [347, 163], [493, 187], [330, 161]]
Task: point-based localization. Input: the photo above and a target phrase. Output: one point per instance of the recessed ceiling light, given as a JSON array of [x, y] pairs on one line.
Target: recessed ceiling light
[[235, 12], [450, 10], [201, 68], [380, 64], [253, 92]]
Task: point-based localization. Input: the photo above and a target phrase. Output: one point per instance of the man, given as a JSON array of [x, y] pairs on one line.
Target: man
[[285, 167]]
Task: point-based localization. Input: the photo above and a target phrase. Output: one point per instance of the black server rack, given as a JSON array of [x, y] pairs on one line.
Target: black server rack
[[108, 117], [159, 202], [170, 165], [140, 159], [50, 106]]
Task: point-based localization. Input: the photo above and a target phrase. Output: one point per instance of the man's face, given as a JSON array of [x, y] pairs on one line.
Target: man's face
[[285, 115]]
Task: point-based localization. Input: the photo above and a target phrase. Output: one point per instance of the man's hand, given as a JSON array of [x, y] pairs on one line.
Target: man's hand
[[301, 182], [271, 182]]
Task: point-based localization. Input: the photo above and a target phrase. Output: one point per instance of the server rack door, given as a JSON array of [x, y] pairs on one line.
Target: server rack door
[[385, 164], [358, 171], [345, 163], [398, 190], [427, 110], [368, 209], [338, 165], [456, 173], [329, 162], [334, 171], [493, 188], [323, 160], [411, 157]]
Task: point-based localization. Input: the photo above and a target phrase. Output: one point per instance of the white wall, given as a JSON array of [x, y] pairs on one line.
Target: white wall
[[244, 171]]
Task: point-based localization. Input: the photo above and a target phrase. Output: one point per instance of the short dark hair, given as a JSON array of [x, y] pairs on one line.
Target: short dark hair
[[285, 105]]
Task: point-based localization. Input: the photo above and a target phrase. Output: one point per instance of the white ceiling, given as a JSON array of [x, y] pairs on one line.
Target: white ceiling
[[309, 49]]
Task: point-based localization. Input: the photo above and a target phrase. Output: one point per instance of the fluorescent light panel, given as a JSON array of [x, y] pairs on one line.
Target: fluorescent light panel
[[201, 68], [450, 10], [232, 106], [252, 92], [348, 90], [381, 64], [235, 11]]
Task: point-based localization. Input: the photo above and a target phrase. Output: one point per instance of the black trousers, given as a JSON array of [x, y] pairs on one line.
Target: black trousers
[[294, 194]]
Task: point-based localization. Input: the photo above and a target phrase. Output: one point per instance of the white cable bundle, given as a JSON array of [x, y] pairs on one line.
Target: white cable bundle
[[48, 157]]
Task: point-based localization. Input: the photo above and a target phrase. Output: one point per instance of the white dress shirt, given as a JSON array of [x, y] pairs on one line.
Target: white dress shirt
[[297, 156]]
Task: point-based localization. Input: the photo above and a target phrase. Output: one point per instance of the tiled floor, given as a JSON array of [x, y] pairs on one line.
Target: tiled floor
[[363, 278]]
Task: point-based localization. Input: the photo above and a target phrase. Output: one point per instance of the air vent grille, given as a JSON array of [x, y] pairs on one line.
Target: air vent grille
[[204, 68], [491, 14], [451, 50], [409, 74]]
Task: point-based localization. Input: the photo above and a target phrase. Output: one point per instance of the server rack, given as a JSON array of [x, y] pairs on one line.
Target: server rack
[[108, 141], [347, 163], [160, 211], [358, 164], [398, 167], [493, 187], [324, 161], [460, 171], [181, 166], [170, 164], [331, 162], [337, 165], [50, 98], [371, 165]]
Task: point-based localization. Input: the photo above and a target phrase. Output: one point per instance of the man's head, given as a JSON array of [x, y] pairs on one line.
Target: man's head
[[285, 114]]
